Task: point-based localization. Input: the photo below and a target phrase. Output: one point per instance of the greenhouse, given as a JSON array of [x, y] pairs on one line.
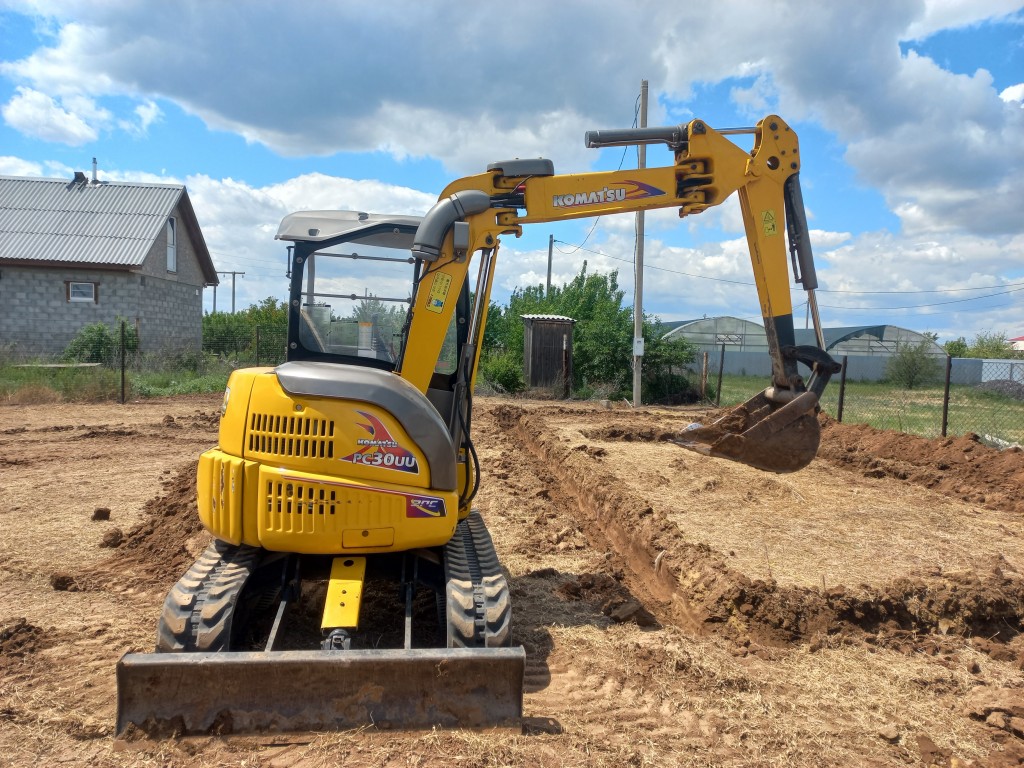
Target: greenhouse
[[738, 335]]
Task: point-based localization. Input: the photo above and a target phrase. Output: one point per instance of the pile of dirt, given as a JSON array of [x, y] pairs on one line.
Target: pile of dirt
[[160, 548], [961, 467], [18, 638]]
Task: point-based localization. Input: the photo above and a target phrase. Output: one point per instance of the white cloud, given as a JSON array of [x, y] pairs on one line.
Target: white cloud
[[15, 166], [145, 115], [1013, 93], [37, 115], [421, 96], [942, 148], [951, 14]]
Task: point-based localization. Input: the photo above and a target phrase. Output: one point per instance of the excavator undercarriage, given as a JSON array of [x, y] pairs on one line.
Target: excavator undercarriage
[[219, 664]]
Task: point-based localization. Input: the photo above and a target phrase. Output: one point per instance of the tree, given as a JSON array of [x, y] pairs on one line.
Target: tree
[[992, 346], [913, 365], [957, 347], [663, 366], [602, 337]]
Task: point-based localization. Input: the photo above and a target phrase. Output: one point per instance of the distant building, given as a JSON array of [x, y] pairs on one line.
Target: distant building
[[744, 335], [74, 253], [1018, 343], [742, 346], [547, 351]]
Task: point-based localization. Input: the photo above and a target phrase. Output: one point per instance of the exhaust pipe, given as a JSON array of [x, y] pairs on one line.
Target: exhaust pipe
[[439, 219]]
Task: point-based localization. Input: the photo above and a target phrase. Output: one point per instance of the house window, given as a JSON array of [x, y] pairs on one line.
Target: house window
[[81, 292], [172, 247]]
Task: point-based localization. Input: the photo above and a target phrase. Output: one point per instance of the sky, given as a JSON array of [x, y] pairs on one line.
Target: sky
[[910, 115]]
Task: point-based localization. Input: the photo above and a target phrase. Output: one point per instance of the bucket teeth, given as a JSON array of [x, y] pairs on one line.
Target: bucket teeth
[[762, 435]]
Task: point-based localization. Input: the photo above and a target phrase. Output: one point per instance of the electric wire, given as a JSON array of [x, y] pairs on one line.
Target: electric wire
[[825, 290], [597, 219]]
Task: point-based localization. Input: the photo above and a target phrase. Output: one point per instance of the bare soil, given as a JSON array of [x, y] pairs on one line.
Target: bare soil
[[675, 609]]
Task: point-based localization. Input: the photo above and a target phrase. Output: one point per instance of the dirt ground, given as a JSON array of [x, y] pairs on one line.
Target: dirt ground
[[675, 609]]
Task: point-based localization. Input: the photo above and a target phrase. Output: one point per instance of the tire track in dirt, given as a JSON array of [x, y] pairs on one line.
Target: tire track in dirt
[[591, 588]]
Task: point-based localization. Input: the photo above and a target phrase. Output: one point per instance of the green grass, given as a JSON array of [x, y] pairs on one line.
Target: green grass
[[38, 384], [916, 411]]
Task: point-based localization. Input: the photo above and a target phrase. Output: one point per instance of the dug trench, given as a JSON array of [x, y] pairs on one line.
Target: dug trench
[[693, 586]]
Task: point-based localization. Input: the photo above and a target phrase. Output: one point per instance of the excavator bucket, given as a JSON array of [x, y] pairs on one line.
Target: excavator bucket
[[761, 434], [242, 692]]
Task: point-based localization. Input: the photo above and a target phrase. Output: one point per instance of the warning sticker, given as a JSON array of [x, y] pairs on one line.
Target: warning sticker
[[438, 292], [768, 223]]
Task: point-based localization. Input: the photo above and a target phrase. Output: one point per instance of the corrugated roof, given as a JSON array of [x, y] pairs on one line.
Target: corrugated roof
[[549, 317], [109, 223]]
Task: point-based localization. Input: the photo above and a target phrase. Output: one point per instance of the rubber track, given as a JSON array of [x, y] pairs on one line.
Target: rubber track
[[477, 600], [198, 610]]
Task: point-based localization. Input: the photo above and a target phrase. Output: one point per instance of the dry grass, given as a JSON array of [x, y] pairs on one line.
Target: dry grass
[[33, 394]]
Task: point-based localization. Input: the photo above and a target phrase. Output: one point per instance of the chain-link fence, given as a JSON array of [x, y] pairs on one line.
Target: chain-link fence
[[951, 396], [104, 362], [263, 345]]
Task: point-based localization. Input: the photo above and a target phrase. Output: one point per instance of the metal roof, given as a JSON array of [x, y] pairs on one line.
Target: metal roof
[[561, 318], [110, 224]]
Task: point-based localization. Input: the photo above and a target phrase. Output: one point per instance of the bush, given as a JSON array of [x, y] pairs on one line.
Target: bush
[[503, 372], [913, 365], [95, 343]]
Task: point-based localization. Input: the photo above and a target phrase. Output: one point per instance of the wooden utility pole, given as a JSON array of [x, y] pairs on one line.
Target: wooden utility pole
[[638, 299], [551, 248]]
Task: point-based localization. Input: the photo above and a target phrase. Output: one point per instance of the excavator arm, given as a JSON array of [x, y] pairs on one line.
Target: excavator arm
[[776, 430]]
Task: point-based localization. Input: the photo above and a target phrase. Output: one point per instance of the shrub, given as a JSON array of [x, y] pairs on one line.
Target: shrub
[[913, 365], [95, 343], [503, 372]]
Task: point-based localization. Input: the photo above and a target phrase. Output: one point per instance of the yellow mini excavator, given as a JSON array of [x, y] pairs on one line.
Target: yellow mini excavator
[[349, 469]]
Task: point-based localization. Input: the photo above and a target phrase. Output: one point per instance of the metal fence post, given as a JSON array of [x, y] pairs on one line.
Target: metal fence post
[[945, 395], [842, 392], [721, 367], [257, 346], [123, 354]]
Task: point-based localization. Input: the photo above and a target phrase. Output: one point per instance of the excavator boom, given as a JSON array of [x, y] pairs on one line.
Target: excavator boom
[[776, 431]]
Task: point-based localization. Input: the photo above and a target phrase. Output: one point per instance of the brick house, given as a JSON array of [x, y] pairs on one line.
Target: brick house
[[85, 251]]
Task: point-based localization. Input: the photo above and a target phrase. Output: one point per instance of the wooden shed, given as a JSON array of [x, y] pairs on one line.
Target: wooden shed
[[547, 351]]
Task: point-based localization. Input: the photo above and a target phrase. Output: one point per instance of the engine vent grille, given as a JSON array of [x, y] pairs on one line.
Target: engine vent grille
[[289, 498], [291, 436]]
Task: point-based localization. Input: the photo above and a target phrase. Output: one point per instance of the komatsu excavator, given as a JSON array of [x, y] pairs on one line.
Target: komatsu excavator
[[351, 465]]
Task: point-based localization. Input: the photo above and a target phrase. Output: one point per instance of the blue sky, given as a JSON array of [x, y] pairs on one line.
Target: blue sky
[[909, 115]]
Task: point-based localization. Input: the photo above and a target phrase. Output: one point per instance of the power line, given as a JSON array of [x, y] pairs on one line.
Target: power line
[[826, 290], [921, 306], [636, 112]]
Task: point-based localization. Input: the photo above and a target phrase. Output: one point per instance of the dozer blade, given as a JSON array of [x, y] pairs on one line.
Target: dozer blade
[[781, 440], [241, 692]]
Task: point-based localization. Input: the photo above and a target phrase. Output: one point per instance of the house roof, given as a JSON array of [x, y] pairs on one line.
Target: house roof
[[554, 318], [107, 225]]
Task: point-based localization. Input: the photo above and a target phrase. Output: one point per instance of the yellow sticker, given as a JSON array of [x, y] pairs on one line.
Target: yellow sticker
[[438, 292], [768, 223]]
